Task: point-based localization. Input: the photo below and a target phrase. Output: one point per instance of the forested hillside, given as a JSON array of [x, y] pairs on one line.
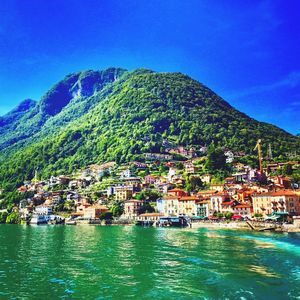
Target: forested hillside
[[97, 116]]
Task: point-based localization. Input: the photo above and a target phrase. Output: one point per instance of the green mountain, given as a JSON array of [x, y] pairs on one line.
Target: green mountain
[[96, 116], [9, 122]]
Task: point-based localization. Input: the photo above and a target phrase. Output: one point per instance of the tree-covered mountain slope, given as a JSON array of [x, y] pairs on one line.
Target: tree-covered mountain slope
[[31, 117], [9, 121], [92, 117]]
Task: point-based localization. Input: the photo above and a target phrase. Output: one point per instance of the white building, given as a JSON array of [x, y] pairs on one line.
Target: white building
[[229, 157], [126, 174], [168, 206], [43, 210], [171, 173]]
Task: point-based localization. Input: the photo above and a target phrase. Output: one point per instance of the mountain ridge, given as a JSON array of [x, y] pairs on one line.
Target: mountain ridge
[[96, 116]]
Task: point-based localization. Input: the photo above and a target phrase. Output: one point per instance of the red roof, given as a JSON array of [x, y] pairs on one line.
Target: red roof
[[227, 203], [237, 217]]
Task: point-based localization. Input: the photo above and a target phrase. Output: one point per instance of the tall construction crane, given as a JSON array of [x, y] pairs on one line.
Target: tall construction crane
[[260, 158]]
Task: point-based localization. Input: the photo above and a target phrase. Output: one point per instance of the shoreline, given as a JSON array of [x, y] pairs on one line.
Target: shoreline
[[241, 225], [259, 226]]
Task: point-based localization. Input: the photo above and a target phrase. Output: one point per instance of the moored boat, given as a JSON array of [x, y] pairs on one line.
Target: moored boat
[[38, 220], [180, 221], [70, 222], [55, 220]]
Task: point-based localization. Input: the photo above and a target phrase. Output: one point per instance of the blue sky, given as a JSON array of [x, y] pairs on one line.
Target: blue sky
[[246, 51]]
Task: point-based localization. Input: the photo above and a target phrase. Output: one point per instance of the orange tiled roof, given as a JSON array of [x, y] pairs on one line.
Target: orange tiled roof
[[170, 197], [188, 198], [77, 214], [284, 193], [276, 193], [203, 201], [176, 190], [243, 206], [133, 201], [207, 192], [221, 194], [151, 215]]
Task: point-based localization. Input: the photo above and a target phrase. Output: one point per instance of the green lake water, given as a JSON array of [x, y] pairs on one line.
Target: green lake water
[[130, 262]]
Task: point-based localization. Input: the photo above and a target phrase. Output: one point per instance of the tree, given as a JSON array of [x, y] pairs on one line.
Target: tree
[[68, 205], [117, 209], [228, 215], [216, 160], [162, 169], [196, 183], [287, 169], [106, 215], [146, 208], [13, 218], [3, 217], [149, 195], [179, 166]]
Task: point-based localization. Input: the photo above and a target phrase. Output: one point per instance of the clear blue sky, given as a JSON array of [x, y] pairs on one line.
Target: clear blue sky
[[247, 51]]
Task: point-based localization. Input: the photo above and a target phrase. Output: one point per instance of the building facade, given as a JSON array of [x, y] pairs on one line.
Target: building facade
[[274, 202]]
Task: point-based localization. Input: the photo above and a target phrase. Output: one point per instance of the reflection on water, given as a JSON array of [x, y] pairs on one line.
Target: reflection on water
[[262, 270], [94, 262], [268, 242]]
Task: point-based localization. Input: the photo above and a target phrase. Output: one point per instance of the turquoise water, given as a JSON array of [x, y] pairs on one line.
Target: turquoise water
[[94, 262]]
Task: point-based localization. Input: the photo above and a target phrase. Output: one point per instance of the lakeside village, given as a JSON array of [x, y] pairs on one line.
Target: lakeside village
[[162, 191]]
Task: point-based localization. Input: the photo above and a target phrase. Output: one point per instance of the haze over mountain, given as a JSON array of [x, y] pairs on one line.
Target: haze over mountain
[[97, 116]]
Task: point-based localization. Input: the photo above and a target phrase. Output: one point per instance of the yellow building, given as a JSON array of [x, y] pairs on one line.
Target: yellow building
[[280, 201], [123, 193], [217, 187], [206, 178], [187, 205], [171, 205], [94, 212]]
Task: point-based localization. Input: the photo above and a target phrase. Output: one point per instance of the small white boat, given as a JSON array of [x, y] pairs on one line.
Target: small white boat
[[70, 222], [38, 220]]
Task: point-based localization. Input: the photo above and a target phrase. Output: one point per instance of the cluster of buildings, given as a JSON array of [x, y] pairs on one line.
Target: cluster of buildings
[[244, 203], [240, 195]]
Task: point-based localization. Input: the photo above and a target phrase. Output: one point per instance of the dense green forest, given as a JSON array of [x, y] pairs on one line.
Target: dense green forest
[[97, 116]]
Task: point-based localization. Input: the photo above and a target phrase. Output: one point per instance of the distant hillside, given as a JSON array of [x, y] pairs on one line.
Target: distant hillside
[[30, 117], [96, 116], [9, 120]]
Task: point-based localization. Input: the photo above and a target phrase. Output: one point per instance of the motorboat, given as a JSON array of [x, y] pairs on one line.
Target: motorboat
[[38, 220]]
